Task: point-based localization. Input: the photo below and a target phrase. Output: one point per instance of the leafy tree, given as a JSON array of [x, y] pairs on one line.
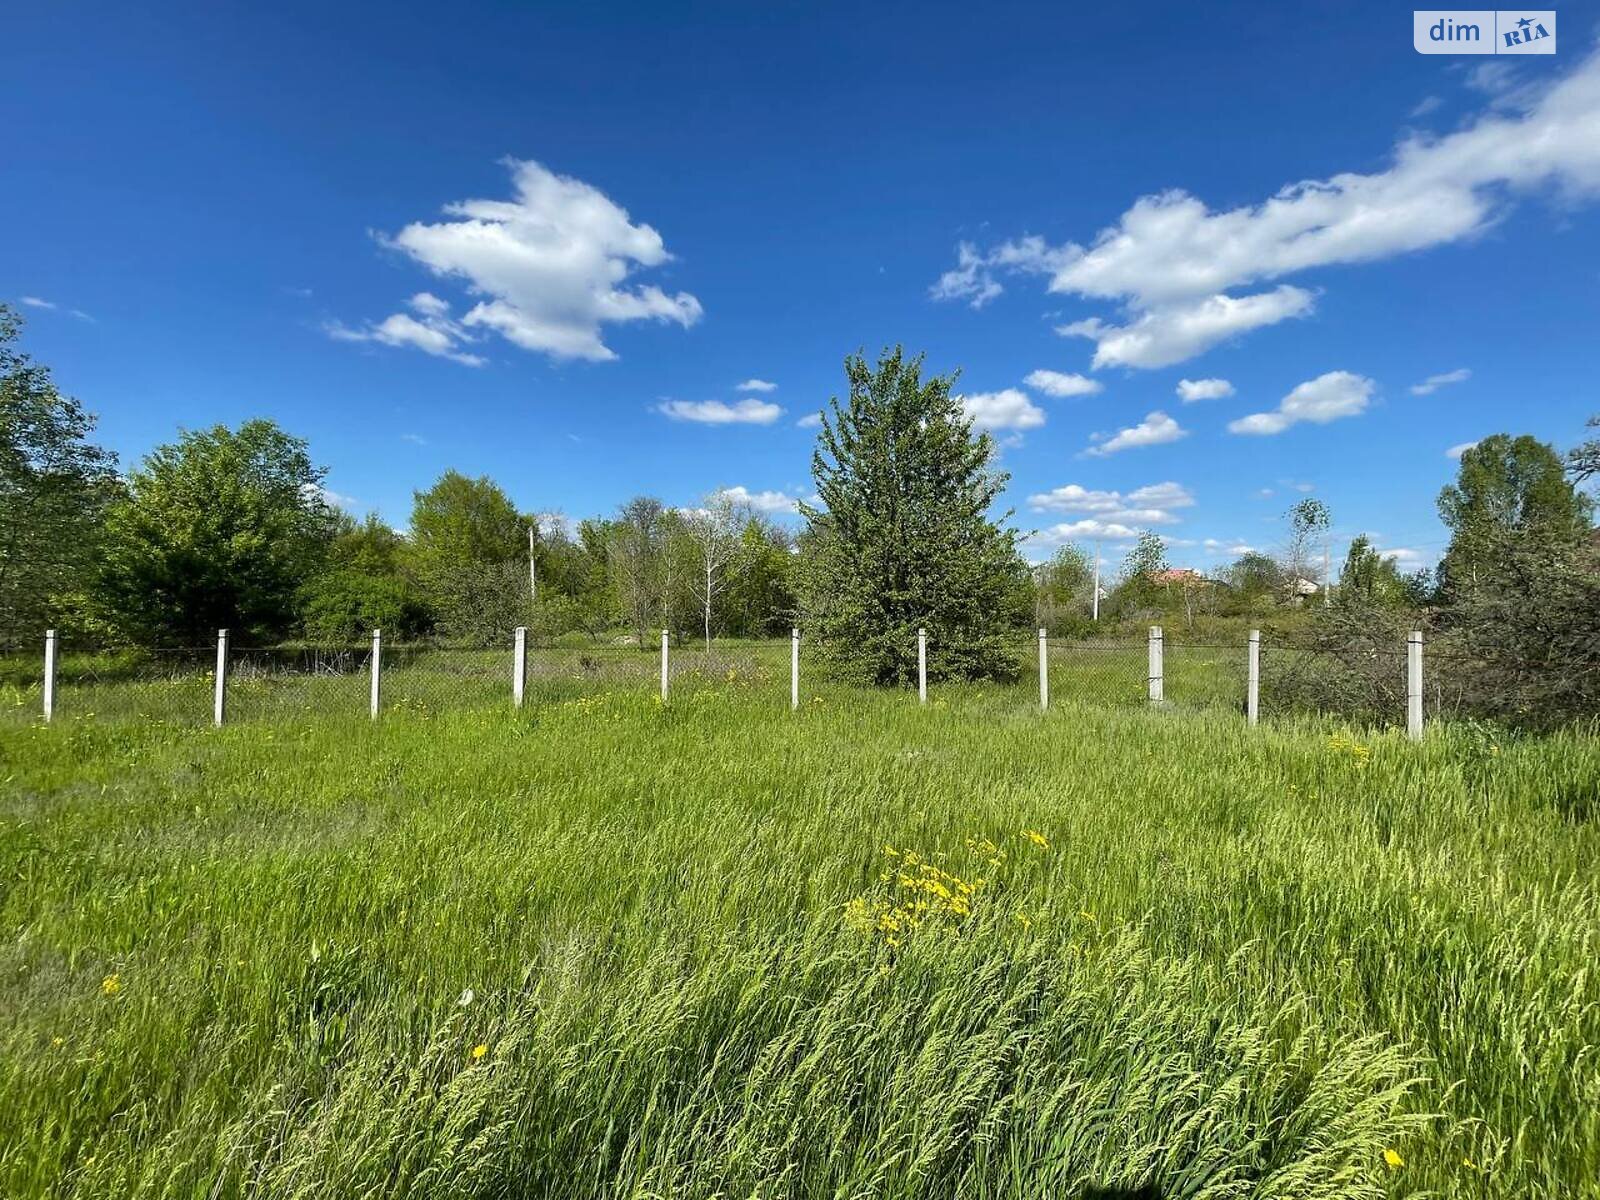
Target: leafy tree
[[1139, 588], [759, 599], [1522, 643], [636, 550], [1256, 581], [1309, 522], [54, 486], [714, 529], [469, 548], [1063, 590], [1369, 578], [365, 585], [219, 529], [1507, 486], [903, 538]]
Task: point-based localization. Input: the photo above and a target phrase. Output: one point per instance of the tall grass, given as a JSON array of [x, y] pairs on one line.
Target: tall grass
[[259, 961]]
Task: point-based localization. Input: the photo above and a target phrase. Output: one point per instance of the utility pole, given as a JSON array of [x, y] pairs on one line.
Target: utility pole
[[1097, 579]]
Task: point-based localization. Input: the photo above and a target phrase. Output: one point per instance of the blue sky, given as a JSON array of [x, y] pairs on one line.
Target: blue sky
[[548, 243]]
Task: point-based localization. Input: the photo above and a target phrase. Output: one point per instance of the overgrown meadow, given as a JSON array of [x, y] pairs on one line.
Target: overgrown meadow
[[610, 947]]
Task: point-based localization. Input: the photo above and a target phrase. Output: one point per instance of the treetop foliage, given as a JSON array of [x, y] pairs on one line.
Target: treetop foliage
[[903, 537]]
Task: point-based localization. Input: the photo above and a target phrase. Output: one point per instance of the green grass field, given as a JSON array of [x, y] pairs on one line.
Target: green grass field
[[606, 947]]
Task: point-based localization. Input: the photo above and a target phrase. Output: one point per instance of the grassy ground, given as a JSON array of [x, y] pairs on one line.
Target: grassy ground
[[610, 948]]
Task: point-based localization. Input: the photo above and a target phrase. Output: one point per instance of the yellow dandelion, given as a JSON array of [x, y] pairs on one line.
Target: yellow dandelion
[[111, 984], [1469, 1164], [58, 1042], [1392, 1157], [1024, 921], [1037, 838], [479, 1051]]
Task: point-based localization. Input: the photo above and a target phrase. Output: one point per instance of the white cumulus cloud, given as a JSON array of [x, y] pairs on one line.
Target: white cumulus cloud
[[810, 421], [748, 411], [431, 330], [1006, 409], [1154, 504], [1176, 332], [1154, 430], [1434, 382], [770, 502], [1062, 385], [1175, 267], [548, 269], [1192, 390], [1325, 398], [756, 385]]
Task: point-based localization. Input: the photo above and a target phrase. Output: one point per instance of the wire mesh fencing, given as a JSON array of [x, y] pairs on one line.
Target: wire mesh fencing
[[172, 684], [1368, 682]]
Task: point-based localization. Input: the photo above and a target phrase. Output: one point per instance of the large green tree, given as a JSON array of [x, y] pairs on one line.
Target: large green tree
[[366, 584], [903, 536], [1507, 486], [219, 529], [54, 486], [1368, 578], [469, 548]]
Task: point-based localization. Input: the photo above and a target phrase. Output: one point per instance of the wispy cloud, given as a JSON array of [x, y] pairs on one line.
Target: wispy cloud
[[773, 503], [1325, 398], [1191, 391], [1180, 271], [1156, 429], [810, 421], [1459, 449], [1005, 409], [1434, 382], [756, 385], [415, 439], [44, 305], [1153, 504], [748, 411], [431, 330], [1062, 385]]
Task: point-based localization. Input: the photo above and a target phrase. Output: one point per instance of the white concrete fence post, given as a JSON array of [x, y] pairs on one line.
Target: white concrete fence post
[[1044, 672], [922, 665], [519, 665], [219, 703], [1414, 684], [663, 666], [49, 673], [1157, 676], [1252, 699], [376, 681], [794, 669]]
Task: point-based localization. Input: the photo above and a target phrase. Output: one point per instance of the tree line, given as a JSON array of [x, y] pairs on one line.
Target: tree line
[[232, 528]]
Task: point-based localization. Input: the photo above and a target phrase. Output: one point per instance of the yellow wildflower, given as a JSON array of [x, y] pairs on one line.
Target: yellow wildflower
[[111, 984], [1392, 1157], [1037, 838], [479, 1051]]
